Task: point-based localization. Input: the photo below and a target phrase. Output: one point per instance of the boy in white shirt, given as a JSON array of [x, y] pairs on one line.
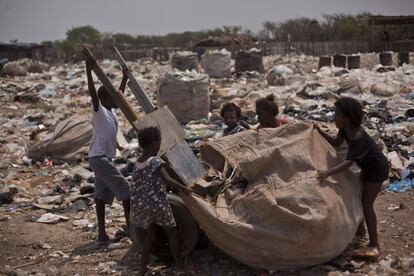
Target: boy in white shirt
[[109, 182]]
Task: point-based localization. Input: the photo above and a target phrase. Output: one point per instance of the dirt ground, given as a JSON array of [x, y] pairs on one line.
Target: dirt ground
[[62, 249]]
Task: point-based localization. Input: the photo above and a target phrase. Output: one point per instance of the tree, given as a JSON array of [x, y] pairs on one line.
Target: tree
[[78, 36]]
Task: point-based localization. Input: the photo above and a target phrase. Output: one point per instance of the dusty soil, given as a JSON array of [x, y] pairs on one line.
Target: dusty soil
[[62, 249]]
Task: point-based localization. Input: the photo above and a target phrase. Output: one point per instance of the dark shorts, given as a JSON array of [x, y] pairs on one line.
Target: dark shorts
[[109, 182], [376, 175]]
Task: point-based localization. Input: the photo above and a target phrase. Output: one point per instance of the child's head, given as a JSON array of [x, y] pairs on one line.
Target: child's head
[[348, 113], [106, 99], [231, 114], [150, 139], [266, 109]]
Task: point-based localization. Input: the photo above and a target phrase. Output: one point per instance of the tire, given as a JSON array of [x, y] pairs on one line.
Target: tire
[[188, 231]]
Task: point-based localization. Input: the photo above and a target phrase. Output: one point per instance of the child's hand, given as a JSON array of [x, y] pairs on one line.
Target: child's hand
[[322, 176], [188, 190], [89, 64], [124, 72], [316, 126]]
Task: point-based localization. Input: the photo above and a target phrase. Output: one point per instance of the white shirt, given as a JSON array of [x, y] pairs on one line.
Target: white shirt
[[105, 128]]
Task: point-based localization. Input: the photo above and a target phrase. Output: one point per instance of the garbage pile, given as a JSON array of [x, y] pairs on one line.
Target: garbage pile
[[35, 102]]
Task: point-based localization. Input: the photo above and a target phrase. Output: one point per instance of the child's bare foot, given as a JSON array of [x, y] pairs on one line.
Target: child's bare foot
[[369, 253], [102, 238]]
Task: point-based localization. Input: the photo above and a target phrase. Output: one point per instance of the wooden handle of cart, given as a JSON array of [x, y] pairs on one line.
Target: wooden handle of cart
[[136, 89], [117, 96]]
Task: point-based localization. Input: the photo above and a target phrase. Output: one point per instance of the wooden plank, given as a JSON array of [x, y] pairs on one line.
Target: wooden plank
[[171, 131], [136, 89], [117, 96], [184, 163]]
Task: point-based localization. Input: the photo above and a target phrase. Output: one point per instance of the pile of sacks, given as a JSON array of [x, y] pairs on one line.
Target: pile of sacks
[[24, 66]]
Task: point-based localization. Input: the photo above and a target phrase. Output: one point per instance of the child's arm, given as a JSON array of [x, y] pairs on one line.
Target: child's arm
[[323, 175], [91, 85], [172, 182], [124, 81], [335, 142]]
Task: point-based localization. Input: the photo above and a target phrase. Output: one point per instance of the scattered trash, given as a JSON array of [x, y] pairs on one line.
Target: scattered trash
[[36, 106], [86, 188], [81, 223], [41, 173], [47, 93], [393, 207], [58, 199], [278, 74], [401, 186], [50, 218], [59, 254], [113, 246]]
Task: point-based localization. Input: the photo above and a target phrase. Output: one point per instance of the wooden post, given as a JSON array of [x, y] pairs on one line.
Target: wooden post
[[136, 89], [117, 96]]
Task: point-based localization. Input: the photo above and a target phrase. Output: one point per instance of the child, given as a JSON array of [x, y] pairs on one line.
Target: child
[[267, 110], [231, 114], [150, 206], [108, 180], [365, 152]]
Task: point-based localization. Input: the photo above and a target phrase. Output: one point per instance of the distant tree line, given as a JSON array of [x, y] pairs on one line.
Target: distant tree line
[[335, 27]]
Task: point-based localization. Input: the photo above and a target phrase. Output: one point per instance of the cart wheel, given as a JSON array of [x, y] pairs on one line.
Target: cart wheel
[[187, 230]]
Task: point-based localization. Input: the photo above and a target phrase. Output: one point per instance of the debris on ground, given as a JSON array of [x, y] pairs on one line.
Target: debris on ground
[[44, 138]]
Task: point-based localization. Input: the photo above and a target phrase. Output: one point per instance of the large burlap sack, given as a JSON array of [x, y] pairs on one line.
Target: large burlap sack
[[185, 60], [217, 64], [284, 218], [68, 138], [383, 90], [13, 69], [251, 60], [186, 94]]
